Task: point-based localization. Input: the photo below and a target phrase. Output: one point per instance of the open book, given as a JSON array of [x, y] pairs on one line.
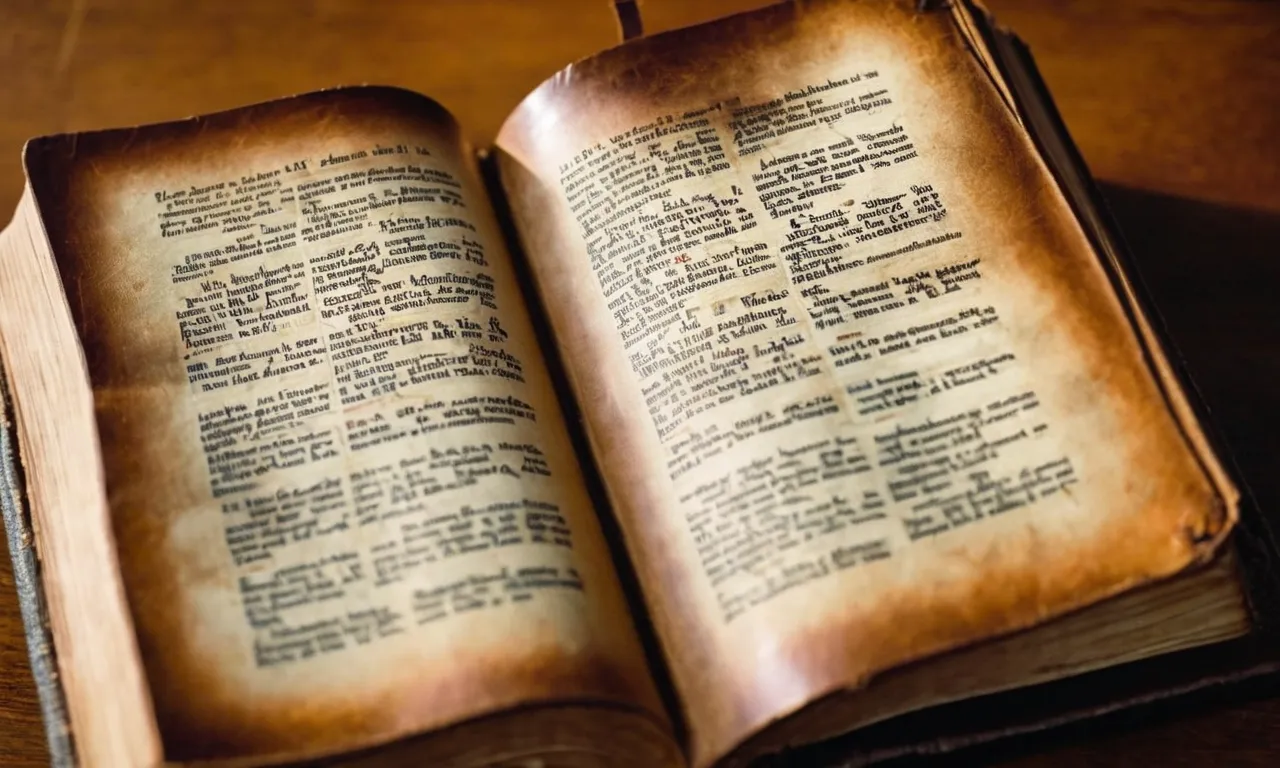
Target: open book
[[880, 419]]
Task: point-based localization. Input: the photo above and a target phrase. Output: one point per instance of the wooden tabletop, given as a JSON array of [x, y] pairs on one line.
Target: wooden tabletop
[[1174, 103]]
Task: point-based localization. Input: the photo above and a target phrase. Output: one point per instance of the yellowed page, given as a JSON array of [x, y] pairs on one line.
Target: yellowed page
[[345, 503], [859, 386]]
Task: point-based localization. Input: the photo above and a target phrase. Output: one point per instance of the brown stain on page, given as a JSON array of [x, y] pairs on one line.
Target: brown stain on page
[[1171, 514], [150, 449]]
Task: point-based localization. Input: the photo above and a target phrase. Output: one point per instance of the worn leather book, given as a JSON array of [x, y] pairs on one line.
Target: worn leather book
[[772, 392]]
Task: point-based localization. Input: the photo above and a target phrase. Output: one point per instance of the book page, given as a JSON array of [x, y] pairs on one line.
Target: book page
[[345, 503], [860, 388]]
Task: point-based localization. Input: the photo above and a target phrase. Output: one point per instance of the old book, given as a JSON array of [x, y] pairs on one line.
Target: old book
[[885, 430]]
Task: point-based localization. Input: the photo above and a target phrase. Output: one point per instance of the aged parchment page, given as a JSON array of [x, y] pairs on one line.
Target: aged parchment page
[[860, 389], [345, 503]]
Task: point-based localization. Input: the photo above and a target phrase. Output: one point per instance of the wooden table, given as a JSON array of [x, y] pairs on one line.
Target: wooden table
[[1174, 103]]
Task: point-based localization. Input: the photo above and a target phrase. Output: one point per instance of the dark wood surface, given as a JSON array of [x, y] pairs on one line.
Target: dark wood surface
[[1174, 103]]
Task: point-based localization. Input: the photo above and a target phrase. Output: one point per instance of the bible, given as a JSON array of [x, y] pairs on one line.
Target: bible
[[772, 392]]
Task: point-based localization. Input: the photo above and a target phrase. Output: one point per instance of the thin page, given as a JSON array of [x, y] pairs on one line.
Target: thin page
[[860, 388], [345, 503]]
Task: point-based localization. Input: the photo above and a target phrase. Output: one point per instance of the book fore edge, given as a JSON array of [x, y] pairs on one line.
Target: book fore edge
[[30, 591]]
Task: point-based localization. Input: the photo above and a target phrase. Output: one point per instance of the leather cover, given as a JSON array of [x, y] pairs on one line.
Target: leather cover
[[1192, 673]]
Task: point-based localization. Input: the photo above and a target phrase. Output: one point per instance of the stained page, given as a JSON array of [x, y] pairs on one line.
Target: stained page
[[860, 388], [345, 504]]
